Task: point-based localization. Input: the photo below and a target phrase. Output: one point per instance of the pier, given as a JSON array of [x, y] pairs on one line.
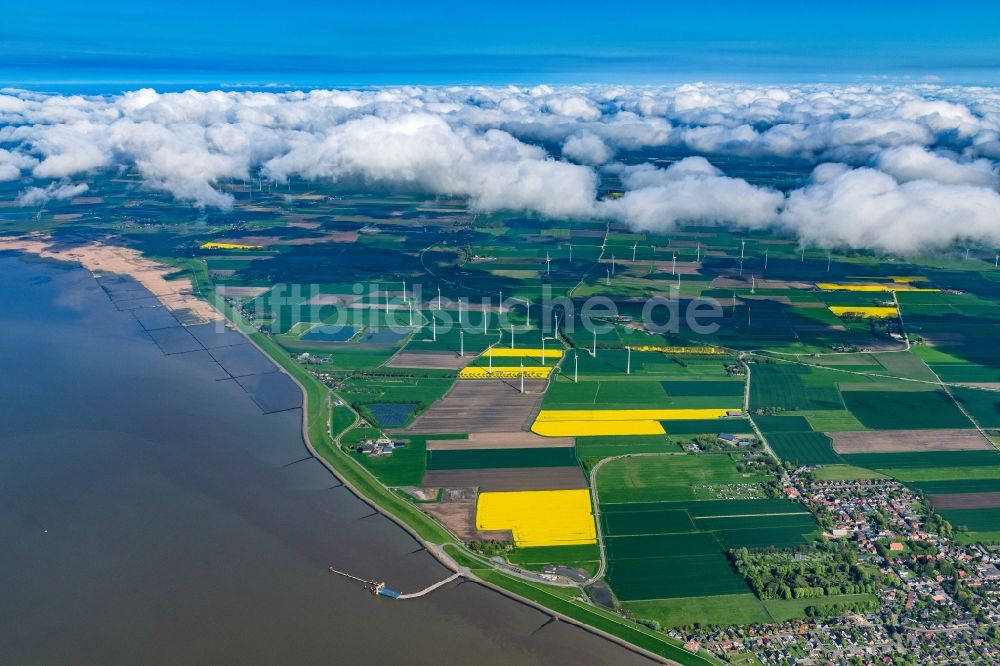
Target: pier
[[378, 588]]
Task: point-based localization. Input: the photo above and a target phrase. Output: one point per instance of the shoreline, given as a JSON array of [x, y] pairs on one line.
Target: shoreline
[[95, 260]]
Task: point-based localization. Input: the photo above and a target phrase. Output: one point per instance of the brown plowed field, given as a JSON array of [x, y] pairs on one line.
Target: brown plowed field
[[499, 440], [430, 359], [482, 406], [888, 441], [966, 501]]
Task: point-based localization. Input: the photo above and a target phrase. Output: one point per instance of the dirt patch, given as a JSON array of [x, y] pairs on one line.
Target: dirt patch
[[733, 283], [819, 328], [682, 267], [509, 478], [482, 406], [434, 360], [176, 295], [241, 292], [966, 501], [333, 299], [460, 518], [500, 440], [908, 440]]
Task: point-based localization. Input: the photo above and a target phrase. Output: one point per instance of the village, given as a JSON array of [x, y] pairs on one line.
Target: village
[[939, 603]]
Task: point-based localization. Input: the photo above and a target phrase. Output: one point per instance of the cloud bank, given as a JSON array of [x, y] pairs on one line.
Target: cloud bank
[[894, 168]]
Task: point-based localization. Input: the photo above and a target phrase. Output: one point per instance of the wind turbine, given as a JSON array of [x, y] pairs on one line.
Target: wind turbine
[[743, 245], [404, 291], [628, 362], [609, 277], [461, 343], [571, 253], [576, 368], [543, 350], [699, 253], [594, 352], [753, 284], [828, 258], [512, 336], [439, 298], [434, 327], [501, 301], [612, 264], [765, 259], [673, 265], [548, 261], [634, 246], [522, 375]]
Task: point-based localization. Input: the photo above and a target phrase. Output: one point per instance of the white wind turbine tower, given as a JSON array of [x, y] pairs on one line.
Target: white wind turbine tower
[[698, 259], [743, 245], [434, 327], [628, 362], [612, 264], [512, 336], [634, 247], [609, 277], [673, 265], [461, 343], [439, 298], [548, 261], [543, 350], [594, 352], [765, 259], [576, 368]]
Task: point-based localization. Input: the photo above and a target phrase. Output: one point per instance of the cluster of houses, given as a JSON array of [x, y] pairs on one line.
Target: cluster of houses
[[918, 620]]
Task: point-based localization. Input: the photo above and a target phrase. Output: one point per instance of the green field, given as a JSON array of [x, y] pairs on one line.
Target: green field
[[666, 477], [804, 448], [720, 610], [983, 405], [501, 458], [905, 410]]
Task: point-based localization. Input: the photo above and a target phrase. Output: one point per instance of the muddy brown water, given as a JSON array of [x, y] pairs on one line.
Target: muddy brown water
[[151, 513]]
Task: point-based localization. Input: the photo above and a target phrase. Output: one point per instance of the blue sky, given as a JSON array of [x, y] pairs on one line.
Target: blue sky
[[51, 42]]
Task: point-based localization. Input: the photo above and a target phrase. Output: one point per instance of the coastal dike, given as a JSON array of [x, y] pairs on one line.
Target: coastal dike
[[181, 296]]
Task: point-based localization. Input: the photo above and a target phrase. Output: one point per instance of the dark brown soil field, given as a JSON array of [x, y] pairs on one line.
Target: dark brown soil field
[[512, 478], [482, 406], [499, 440], [434, 360], [888, 441], [966, 501]]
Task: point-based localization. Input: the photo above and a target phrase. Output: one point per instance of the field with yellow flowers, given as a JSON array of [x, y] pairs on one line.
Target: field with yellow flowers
[[504, 372], [882, 311], [539, 517]]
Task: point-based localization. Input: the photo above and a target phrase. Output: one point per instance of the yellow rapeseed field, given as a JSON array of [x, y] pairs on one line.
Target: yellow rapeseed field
[[591, 422], [594, 428], [503, 352], [504, 372], [679, 350], [539, 517], [865, 310], [907, 279], [228, 246], [884, 288], [627, 414]]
